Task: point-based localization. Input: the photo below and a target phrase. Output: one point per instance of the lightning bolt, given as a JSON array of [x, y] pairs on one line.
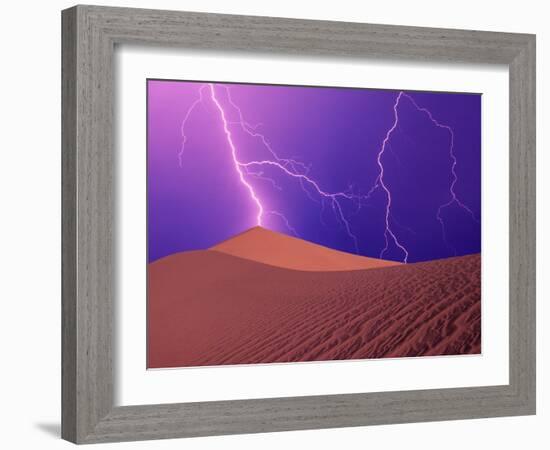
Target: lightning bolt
[[196, 103], [454, 177], [288, 167], [251, 130], [300, 172], [334, 198], [388, 232], [236, 162], [379, 182], [285, 220]]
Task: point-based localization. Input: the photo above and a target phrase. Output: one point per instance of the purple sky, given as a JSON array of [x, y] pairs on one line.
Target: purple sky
[[306, 161]]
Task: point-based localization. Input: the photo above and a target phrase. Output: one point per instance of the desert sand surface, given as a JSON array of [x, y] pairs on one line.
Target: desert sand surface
[[210, 308], [279, 250]]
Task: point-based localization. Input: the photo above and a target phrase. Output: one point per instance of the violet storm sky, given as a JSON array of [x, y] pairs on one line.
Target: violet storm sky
[[381, 173]]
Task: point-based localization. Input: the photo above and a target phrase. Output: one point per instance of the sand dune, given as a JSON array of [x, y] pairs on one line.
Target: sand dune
[[279, 250], [211, 308]]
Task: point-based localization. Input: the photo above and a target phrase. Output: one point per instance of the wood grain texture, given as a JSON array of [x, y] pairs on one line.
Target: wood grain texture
[[89, 36], [68, 226]]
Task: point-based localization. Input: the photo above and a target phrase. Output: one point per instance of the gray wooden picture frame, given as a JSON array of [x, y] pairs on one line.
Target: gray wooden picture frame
[[89, 37]]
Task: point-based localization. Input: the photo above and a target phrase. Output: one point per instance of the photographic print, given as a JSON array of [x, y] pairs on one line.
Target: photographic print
[[297, 223]]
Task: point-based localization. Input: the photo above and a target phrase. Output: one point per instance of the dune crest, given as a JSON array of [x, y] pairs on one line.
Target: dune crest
[[276, 249]]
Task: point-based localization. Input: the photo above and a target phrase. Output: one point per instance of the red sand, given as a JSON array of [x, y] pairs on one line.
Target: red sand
[[210, 308], [275, 249]]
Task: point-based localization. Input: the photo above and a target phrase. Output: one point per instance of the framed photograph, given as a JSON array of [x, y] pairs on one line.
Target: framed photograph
[[276, 224]]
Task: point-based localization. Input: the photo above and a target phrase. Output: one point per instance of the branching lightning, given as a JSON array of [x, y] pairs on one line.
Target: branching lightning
[[288, 167], [388, 232], [285, 220], [300, 172], [196, 103], [379, 182], [236, 161], [453, 197]]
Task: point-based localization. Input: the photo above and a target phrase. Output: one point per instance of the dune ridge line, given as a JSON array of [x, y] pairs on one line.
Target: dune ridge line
[[279, 250]]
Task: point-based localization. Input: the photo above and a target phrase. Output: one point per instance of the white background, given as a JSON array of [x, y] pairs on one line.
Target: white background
[[30, 225], [135, 386]]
